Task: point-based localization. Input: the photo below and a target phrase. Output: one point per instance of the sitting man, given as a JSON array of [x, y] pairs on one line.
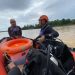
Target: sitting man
[[60, 50], [46, 32], [14, 30]]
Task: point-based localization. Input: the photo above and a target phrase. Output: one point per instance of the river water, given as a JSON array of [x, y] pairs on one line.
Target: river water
[[66, 34]]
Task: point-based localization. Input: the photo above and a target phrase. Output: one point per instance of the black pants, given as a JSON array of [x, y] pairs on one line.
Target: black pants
[[14, 71]]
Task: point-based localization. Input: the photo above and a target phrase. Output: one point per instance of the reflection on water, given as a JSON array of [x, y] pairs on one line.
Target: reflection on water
[[67, 34]]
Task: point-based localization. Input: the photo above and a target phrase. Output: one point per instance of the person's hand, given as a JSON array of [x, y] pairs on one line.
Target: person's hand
[[50, 35], [11, 65], [16, 37], [41, 39], [20, 67]]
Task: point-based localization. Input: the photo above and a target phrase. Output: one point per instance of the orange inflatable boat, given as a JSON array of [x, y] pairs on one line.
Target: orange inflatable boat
[[17, 49], [2, 67], [16, 45]]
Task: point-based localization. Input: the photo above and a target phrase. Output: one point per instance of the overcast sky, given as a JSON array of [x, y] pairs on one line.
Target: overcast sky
[[29, 11]]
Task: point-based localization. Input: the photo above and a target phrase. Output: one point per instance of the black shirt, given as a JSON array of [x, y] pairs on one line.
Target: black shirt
[[48, 32], [14, 31]]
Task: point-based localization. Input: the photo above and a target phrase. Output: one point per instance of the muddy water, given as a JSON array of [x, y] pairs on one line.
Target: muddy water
[[67, 34]]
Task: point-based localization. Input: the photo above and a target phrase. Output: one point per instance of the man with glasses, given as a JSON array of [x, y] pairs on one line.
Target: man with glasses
[[46, 32]]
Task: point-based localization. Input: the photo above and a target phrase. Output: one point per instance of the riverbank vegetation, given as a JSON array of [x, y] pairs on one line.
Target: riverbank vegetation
[[63, 22]]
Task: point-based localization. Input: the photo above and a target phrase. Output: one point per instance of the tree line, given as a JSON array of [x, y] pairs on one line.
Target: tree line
[[62, 22]]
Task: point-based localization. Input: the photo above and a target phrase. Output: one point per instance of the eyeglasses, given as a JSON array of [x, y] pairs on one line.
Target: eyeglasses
[[41, 19], [12, 22]]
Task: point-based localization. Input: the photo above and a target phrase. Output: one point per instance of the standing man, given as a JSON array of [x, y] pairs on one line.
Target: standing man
[[14, 30]]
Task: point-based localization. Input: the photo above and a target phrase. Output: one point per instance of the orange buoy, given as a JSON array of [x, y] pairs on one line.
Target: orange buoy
[[16, 45]]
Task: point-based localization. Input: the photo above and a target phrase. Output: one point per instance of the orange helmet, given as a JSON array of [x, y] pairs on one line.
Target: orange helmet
[[43, 17]]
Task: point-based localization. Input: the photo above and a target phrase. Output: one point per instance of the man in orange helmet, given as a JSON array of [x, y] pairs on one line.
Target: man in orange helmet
[[46, 31]]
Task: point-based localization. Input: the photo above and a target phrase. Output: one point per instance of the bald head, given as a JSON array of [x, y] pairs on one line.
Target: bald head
[[13, 22]]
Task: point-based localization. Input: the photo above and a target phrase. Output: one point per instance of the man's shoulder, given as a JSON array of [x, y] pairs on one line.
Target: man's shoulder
[[14, 27], [48, 27], [9, 27], [18, 26]]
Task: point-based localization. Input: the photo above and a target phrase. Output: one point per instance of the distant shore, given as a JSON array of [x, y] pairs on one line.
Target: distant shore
[[39, 28], [55, 23], [3, 31], [51, 25]]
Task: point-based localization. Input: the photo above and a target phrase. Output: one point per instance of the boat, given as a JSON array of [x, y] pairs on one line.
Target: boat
[[16, 49], [2, 65], [18, 57]]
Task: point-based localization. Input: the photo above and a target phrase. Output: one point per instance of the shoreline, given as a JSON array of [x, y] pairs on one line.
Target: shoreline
[[51, 25]]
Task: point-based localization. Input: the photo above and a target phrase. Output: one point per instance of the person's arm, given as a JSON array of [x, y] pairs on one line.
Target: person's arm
[[11, 65], [9, 32], [50, 32], [37, 37]]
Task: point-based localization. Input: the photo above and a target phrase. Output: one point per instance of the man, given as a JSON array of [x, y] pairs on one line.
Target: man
[[46, 32], [14, 30], [61, 50]]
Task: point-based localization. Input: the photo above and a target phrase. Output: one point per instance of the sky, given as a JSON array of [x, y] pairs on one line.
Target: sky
[[28, 11]]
